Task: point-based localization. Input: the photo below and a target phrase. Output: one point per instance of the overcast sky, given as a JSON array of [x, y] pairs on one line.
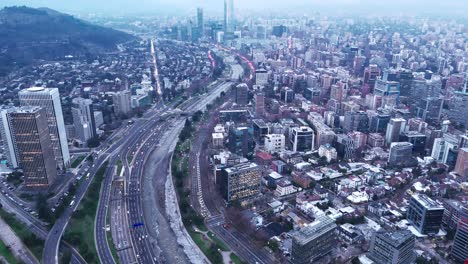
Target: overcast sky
[[172, 6]]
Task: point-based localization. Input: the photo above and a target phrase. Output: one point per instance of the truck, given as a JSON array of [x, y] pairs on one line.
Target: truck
[[72, 203]]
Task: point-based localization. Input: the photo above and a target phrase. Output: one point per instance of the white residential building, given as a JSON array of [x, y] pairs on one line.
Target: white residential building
[[274, 143]]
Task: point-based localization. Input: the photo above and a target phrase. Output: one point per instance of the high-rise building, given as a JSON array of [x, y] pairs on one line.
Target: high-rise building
[[287, 95], [460, 242], [6, 134], [378, 122], [394, 129], [49, 98], [241, 140], [345, 146], [461, 167], [356, 121], [242, 94], [324, 134], [30, 135], [122, 102], [83, 119], [261, 76], [388, 90], [259, 103], [425, 214], [393, 247], [459, 107], [401, 154], [302, 139], [274, 143], [430, 109], [229, 16], [371, 75], [442, 148], [200, 22], [241, 182], [313, 241]]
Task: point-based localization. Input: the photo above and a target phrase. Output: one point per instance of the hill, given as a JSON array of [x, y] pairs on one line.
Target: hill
[[29, 34]]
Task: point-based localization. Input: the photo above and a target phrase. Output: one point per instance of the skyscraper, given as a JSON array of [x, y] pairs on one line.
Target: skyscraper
[[5, 133], [460, 242], [241, 182], [394, 129], [313, 241], [302, 139], [122, 102], [30, 135], [400, 154], [83, 119], [425, 214], [229, 15], [461, 167], [393, 247], [200, 23], [49, 98]]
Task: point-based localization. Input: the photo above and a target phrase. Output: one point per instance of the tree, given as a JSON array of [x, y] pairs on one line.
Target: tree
[[273, 245]]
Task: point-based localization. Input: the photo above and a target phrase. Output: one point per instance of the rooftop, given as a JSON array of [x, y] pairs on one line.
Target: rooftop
[[320, 226], [427, 202]]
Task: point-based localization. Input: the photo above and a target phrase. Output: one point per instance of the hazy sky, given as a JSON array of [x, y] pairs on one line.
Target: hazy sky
[[134, 6]]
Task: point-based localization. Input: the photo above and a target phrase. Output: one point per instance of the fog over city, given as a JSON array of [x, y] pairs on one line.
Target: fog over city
[[332, 7]]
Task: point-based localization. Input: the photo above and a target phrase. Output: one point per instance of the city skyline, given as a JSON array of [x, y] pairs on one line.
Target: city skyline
[[179, 7]]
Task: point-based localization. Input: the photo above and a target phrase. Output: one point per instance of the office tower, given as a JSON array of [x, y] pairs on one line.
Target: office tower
[[83, 119], [241, 182], [417, 139], [388, 90], [356, 121], [313, 241], [200, 23], [229, 16], [460, 242], [278, 31], [459, 107], [394, 129], [455, 210], [430, 109], [425, 214], [274, 143], [287, 95], [312, 94], [371, 75], [345, 146], [261, 76], [241, 93], [30, 134], [302, 139], [461, 167], [379, 122], [260, 129], [49, 98], [6, 134], [395, 247], [240, 140], [400, 153], [324, 134], [443, 147], [259, 103], [122, 102]]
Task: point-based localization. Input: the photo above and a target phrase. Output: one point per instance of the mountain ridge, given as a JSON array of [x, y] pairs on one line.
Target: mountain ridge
[[30, 34]]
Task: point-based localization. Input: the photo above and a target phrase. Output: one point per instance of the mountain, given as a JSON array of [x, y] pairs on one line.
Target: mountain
[[29, 34]]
